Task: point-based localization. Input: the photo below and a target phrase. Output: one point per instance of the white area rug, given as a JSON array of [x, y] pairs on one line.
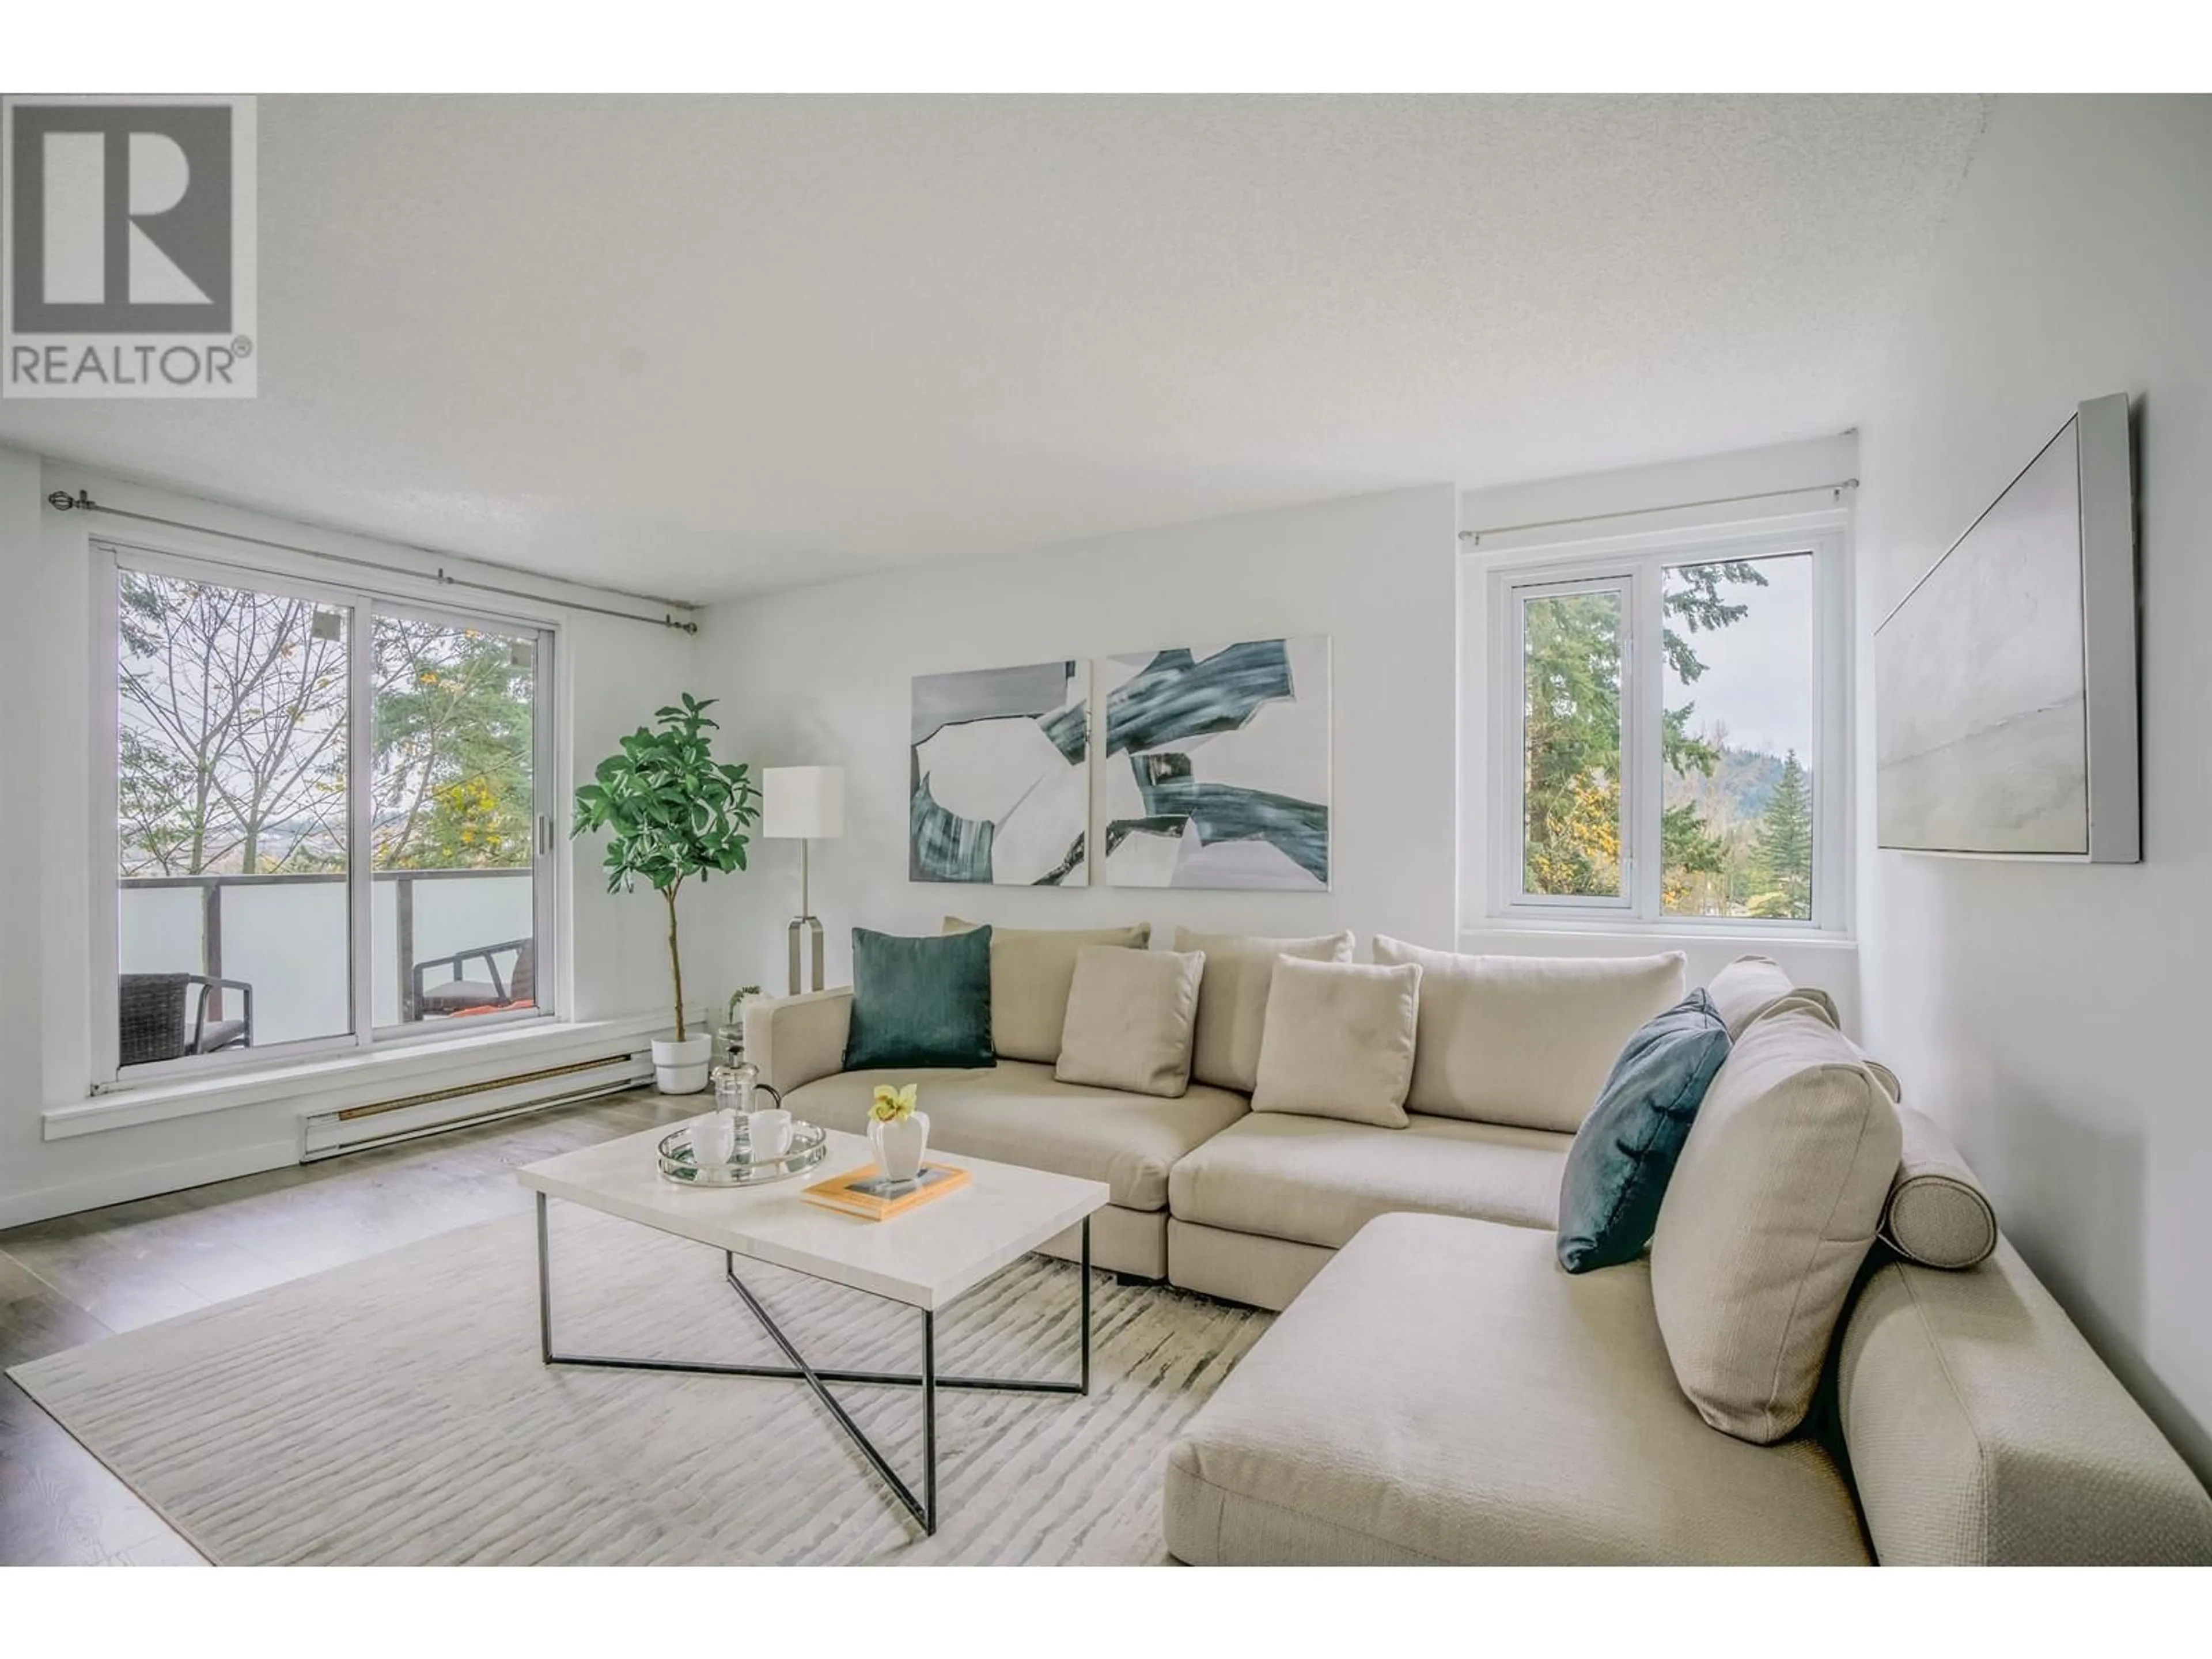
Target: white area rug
[[394, 1411]]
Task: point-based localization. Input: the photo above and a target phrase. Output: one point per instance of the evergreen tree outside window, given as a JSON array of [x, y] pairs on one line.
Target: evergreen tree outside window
[[1666, 714]]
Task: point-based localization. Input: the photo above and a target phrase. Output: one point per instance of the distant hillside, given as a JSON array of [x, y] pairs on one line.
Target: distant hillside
[[1738, 791], [1745, 779]]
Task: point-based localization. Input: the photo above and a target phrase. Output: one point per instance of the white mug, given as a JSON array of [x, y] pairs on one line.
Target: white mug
[[713, 1138], [770, 1132]]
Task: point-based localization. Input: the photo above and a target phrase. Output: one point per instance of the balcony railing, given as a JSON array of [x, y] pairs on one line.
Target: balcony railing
[[286, 935]]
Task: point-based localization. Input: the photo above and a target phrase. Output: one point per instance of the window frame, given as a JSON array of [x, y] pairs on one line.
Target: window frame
[[1638, 562], [304, 576]]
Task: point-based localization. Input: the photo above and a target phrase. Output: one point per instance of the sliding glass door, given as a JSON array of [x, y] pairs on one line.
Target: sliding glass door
[[232, 718], [455, 833], [332, 817]]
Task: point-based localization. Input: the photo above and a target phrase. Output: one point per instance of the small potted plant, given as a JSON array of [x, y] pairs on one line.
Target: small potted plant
[[670, 812], [899, 1134]]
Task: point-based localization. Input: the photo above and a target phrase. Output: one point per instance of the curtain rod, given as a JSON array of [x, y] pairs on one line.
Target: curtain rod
[[1838, 486], [61, 501]]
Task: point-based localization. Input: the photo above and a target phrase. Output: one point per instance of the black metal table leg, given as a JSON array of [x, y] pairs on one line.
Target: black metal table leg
[[929, 1421], [924, 1507], [544, 1290], [922, 1512]]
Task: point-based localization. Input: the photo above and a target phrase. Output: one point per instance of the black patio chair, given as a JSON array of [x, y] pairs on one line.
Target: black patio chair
[[457, 995], [150, 1009]]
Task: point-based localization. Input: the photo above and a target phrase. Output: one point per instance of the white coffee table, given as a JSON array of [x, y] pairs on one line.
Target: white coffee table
[[925, 1259]]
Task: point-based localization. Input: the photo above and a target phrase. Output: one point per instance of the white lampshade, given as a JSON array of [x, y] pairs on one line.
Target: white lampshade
[[803, 803]]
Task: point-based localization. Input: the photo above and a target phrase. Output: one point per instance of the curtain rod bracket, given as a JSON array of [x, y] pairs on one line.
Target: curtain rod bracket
[[62, 502]]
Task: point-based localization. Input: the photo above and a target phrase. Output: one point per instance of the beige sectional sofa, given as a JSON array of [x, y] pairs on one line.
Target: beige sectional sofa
[[1207, 1194], [1438, 1389], [1215, 1198], [1256, 1212], [1015, 1112]]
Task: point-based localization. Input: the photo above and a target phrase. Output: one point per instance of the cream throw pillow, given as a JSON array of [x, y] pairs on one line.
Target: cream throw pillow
[[1339, 1041], [1770, 1212], [1031, 969], [1232, 1002], [1937, 1213], [1528, 1041], [1129, 1019], [1750, 986]]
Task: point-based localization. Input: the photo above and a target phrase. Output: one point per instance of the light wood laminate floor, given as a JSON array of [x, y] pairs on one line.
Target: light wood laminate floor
[[76, 1279]]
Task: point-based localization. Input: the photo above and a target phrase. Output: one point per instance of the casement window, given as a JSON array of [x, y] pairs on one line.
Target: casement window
[[325, 816], [1669, 735]]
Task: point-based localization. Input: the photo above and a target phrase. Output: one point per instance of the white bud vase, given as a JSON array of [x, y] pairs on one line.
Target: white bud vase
[[899, 1144]]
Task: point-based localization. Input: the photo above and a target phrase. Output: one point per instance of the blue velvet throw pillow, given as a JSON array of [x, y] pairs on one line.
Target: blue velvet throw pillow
[[1624, 1155], [920, 1002]]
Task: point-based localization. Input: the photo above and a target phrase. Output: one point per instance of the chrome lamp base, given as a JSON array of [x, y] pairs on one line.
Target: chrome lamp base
[[811, 926]]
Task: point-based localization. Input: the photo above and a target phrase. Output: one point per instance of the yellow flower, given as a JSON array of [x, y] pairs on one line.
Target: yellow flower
[[892, 1104]]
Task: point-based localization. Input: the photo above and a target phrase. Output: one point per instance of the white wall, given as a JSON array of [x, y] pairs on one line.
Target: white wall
[[21, 751], [617, 673], [821, 676], [1574, 512], [2054, 1016]]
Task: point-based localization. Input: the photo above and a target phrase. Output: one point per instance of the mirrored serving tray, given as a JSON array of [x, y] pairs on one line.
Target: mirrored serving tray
[[810, 1144]]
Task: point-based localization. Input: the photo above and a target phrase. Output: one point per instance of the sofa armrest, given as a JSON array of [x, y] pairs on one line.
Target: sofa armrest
[[794, 1040], [1983, 1429]]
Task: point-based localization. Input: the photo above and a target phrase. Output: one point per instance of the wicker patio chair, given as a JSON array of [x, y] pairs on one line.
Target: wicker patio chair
[[150, 1009], [457, 995]]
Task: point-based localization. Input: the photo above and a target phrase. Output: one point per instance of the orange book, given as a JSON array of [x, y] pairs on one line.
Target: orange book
[[867, 1194]]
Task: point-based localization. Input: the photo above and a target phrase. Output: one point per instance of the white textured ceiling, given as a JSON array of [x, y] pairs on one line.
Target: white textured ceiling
[[712, 346]]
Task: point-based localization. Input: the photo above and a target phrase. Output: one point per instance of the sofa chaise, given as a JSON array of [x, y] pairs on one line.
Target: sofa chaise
[[1442, 1392]]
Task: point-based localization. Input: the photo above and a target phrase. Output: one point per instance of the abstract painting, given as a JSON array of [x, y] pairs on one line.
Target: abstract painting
[[1217, 766], [999, 776]]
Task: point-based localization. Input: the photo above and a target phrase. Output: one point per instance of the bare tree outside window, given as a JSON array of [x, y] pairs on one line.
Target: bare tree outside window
[[233, 741], [236, 819]]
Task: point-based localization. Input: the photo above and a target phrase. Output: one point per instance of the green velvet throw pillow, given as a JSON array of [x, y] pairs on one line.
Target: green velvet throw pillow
[[920, 1002]]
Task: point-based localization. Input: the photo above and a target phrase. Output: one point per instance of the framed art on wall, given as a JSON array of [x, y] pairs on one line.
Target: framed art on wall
[[2005, 681], [1217, 766], [999, 776]]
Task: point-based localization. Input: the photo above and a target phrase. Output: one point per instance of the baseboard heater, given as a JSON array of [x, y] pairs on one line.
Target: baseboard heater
[[378, 1123]]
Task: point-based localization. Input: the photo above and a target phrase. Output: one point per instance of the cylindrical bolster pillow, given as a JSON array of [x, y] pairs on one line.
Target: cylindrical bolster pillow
[[1937, 1213]]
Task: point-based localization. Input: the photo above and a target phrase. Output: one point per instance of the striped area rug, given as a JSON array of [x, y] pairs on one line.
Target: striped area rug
[[394, 1411]]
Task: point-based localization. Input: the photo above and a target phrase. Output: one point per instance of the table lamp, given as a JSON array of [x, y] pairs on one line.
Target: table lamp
[[802, 804]]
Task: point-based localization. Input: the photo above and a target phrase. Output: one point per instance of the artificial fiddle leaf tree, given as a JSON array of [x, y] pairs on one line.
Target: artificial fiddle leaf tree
[[670, 812]]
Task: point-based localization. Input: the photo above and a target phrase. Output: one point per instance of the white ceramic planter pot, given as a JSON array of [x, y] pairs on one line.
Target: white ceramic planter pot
[[899, 1145], [681, 1067]]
